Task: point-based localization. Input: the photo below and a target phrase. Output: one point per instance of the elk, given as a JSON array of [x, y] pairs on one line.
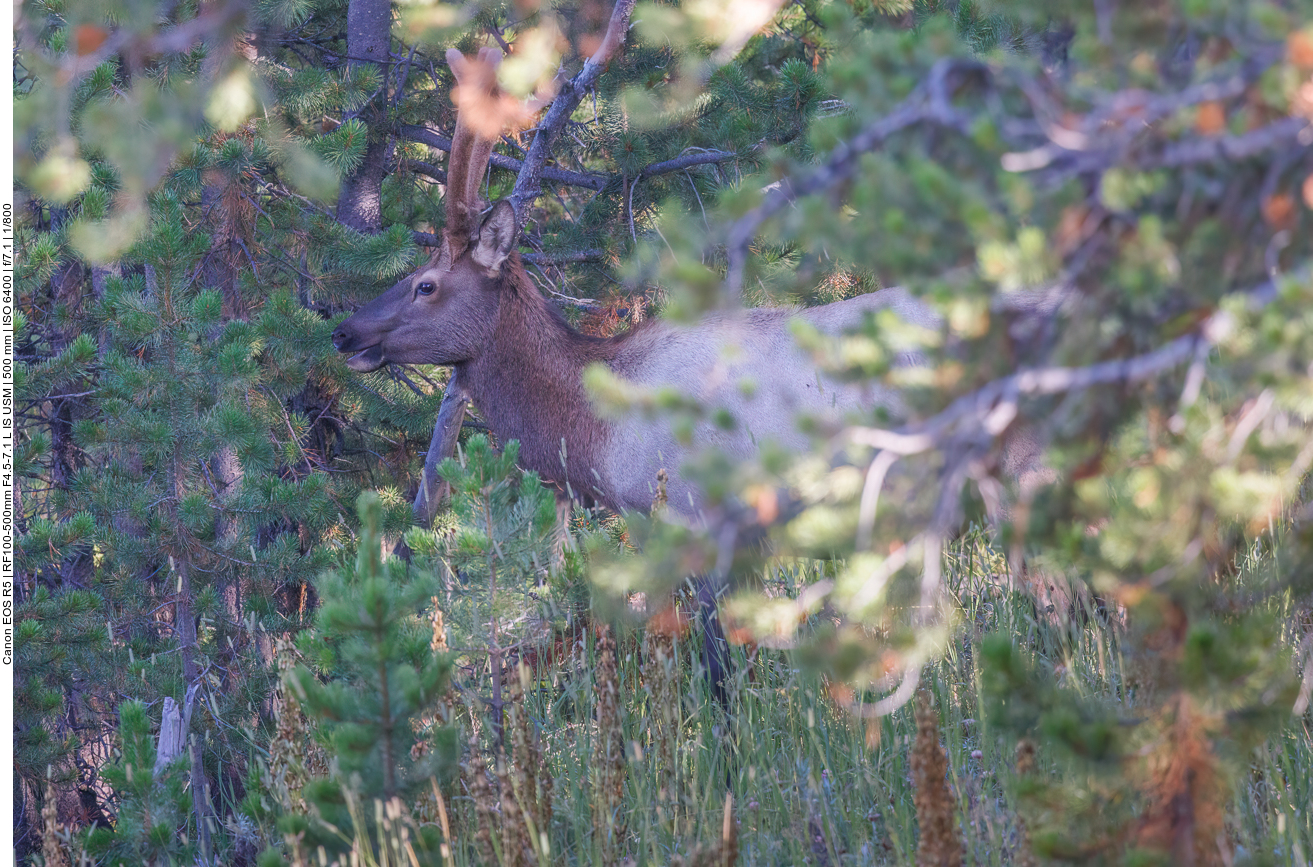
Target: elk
[[473, 307]]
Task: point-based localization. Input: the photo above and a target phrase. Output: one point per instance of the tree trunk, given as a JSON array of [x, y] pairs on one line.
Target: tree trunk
[[200, 785], [432, 489], [369, 35]]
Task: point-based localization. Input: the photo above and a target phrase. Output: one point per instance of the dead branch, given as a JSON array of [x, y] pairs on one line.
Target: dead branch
[[528, 185], [424, 135], [686, 161]]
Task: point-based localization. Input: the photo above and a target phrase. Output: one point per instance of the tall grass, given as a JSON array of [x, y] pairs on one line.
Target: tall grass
[[802, 780]]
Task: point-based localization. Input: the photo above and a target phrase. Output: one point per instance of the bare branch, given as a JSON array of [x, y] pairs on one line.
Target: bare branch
[[213, 20], [992, 404], [928, 104], [424, 135], [588, 180], [1285, 133], [432, 490], [427, 169], [563, 258], [542, 260], [1113, 132], [529, 183], [686, 161], [875, 474]]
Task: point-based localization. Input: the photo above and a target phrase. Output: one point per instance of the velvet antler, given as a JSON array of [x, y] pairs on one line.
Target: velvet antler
[[476, 96]]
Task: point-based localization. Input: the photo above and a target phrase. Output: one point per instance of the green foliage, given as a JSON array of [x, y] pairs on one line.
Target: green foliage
[[152, 808], [373, 678], [56, 636], [500, 511], [343, 148], [495, 553]]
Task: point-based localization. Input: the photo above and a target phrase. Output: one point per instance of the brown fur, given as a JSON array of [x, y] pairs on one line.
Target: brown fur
[[523, 367], [534, 362]]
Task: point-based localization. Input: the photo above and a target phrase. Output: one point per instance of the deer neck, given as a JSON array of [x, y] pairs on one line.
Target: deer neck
[[528, 385]]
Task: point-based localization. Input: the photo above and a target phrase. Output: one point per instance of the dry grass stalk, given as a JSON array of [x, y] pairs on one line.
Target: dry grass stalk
[[722, 853], [524, 786], [1024, 857], [1184, 815], [294, 757], [448, 857], [661, 675], [608, 752], [485, 804], [729, 834], [294, 844], [533, 779], [438, 644], [53, 840], [936, 811], [516, 845], [425, 808]]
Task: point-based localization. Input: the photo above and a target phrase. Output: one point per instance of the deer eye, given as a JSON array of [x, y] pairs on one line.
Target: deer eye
[[428, 287]]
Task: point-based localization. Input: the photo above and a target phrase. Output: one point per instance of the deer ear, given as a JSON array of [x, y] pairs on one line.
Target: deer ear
[[496, 237]]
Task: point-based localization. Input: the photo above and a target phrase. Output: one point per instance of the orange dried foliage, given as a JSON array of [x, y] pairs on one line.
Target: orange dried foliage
[[741, 636], [765, 500], [88, 38], [872, 731], [841, 693], [1071, 229], [1184, 815], [1299, 49], [1302, 102], [1279, 211], [483, 105], [671, 620], [612, 314], [1210, 119]]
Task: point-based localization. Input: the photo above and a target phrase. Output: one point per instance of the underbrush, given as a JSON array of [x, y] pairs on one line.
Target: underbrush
[[657, 774]]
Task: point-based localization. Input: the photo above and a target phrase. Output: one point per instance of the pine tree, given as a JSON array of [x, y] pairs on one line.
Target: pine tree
[[151, 826], [379, 678]]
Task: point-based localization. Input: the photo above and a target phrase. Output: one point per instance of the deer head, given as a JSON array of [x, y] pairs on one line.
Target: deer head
[[444, 312]]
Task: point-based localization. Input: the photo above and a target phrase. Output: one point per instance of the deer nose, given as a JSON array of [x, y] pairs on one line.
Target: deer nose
[[340, 339]]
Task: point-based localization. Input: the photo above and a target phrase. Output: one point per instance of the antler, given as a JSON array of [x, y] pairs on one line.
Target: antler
[[478, 125]]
